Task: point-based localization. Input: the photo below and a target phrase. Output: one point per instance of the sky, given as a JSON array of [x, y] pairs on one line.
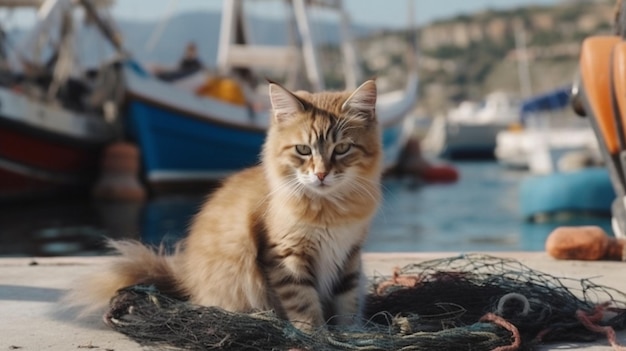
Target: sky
[[385, 13], [377, 12], [382, 13]]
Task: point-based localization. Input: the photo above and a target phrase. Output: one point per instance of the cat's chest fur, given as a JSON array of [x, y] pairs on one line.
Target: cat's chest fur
[[327, 250], [335, 246]]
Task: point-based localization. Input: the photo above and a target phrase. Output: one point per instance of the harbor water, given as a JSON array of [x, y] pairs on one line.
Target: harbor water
[[478, 213]]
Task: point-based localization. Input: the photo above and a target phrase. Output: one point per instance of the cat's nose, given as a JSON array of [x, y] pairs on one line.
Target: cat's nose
[[321, 175]]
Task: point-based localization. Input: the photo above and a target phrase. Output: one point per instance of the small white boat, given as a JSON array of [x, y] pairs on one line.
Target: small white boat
[[469, 131], [545, 151], [559, 154]]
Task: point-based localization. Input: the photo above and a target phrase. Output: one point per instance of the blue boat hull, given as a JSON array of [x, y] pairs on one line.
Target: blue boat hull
[[179, 147], [586, 191]]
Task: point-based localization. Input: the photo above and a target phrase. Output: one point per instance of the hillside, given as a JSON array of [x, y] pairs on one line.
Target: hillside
[[469, 56]]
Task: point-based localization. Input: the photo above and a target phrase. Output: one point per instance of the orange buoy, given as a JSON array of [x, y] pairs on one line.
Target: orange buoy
[[584, 243], [119, 174]]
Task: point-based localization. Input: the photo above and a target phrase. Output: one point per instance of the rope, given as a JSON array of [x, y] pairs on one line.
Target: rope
[[591, 320], [501, 322], [408, 281]]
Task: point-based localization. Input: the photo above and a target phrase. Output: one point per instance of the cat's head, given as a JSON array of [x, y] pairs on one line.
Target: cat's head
[[323, 144]]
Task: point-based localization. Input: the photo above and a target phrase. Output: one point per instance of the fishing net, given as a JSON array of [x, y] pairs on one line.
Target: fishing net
[[469, 302]]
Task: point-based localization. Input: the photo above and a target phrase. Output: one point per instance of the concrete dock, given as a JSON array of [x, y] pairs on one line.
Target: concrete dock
[[31, 320]]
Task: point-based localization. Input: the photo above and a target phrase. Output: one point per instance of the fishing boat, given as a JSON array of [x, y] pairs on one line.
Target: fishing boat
[[196, 136], [548, 138], [565, 177], [51, 132]]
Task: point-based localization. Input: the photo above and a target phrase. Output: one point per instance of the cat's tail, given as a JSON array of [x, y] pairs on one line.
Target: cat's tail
[[136, 264]]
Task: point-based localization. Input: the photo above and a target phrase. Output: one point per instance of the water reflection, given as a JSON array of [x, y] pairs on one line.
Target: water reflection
[[64, 227], [479, 213], [165, 220]]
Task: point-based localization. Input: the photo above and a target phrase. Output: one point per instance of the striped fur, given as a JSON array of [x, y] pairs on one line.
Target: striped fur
[[287, 234]]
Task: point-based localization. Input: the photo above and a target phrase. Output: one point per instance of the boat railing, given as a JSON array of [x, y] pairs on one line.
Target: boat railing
[[270, 57], [297, 58]]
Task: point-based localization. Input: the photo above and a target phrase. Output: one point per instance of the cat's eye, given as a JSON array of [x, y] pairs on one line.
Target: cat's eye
[[342, 148], [303, 150]]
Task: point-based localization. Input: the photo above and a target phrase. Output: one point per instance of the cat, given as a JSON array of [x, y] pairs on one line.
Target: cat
[[283, 235]]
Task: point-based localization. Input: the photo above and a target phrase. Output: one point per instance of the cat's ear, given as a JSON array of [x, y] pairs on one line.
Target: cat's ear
[[363, 99], [284, 103]]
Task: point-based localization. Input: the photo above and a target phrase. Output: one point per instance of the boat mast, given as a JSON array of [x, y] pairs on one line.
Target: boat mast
[[351, 67], [227, 29], [107, 30], [235, 52], [523, 67], [49, 15], [311, 61], [158, 32]]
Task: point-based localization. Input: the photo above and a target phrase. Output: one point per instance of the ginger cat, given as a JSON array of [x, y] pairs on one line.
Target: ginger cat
[[285, 235]]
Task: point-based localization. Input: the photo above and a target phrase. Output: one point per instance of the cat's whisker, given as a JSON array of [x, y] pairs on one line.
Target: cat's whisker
[[279, 188], [290, 187], [289, 183], [367, 184], [383, 204], [362, 189]]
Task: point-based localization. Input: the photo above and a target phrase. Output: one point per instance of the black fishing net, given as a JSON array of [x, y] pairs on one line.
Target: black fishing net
[[469, 302]]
